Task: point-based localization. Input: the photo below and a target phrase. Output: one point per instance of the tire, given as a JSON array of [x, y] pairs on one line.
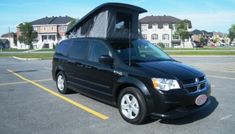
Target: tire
[[61, 83], [132, 105]]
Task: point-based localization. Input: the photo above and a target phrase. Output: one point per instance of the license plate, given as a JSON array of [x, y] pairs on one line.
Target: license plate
[[201, 99]]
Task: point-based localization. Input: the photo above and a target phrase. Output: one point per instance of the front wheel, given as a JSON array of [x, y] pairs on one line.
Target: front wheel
[[61, 83], [132, 105]]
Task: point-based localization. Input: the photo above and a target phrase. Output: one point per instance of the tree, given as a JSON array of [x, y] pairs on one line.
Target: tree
[[231, 33], [27, 34], [182, 31], [72, 23], [203, 41]]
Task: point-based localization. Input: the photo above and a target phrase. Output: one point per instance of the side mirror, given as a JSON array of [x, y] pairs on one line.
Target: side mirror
[[106, 59]]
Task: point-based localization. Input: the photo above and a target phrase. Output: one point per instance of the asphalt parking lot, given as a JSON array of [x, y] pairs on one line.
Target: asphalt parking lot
[[30, 103]]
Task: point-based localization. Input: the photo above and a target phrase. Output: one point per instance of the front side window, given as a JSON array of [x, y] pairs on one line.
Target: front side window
[[98, 49], [63, 47], [139, 51], [79, 49]]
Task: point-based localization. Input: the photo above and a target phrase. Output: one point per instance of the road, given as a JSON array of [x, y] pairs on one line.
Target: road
[[31, 103]]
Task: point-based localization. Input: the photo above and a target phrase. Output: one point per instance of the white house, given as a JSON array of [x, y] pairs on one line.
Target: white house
[[11, 37], [161, 29], [50, 30]]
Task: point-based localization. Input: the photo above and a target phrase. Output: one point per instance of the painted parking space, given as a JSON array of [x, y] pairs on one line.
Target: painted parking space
[[74, 103]]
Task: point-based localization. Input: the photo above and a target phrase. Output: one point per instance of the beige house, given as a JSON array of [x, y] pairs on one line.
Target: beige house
[[50, 31], [161, 29]]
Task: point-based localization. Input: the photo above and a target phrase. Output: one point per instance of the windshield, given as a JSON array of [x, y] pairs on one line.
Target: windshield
[[139, 51]]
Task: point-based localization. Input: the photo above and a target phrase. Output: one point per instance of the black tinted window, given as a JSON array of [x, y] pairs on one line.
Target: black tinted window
[[98, 49], [79, 49], [63, 47]]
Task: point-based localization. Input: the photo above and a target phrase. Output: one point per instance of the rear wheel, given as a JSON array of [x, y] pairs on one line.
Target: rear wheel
[[132, 106], [61, 83]]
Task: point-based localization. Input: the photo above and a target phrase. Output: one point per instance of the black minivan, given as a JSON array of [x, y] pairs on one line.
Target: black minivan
[[134, 75]]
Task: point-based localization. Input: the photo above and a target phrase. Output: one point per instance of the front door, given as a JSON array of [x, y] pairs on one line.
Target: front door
[[100, 76]]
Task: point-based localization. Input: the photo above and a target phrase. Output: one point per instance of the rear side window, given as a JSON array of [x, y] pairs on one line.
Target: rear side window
[[97, 49], [79, 49], [63, 47]]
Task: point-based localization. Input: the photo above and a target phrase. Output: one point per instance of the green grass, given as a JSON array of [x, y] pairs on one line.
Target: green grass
[[206, 48], [28, 55], [49, 55], [202, 53], [13, 50], [46, 49]]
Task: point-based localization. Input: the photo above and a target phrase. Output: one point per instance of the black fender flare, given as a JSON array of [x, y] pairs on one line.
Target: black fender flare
[[134, 82], [56, 70]]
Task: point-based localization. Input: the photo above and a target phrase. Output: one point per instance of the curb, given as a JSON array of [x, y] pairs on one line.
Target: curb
[[26, 59]]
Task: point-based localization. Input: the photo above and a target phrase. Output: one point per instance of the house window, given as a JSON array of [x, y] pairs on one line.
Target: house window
[[165, 25], [165, 37], [44, 37], [154, 37], [145, 36], [155, 27], [123, 22], [51, 37], [144, 27]]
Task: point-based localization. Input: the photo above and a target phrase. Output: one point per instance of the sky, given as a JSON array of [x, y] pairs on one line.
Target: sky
[[210, 15]]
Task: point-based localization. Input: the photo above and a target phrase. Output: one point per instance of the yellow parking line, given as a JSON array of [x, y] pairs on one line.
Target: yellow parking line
[[220, 77], [22, 82], [83, 107]]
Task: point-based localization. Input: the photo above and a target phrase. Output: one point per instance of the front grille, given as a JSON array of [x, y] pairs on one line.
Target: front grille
[[201, 78], [189, 81], [192, 89], [194, 86]]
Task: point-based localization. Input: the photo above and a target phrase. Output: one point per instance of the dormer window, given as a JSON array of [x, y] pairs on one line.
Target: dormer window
[[144, 27], [165, 25], [155, 27]]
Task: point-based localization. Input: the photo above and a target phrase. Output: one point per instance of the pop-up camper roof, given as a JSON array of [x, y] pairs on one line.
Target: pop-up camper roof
[[109, 20]]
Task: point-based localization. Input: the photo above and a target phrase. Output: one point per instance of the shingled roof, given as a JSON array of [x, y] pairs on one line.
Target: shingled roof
[[52, 20], [201, 32], [160, 20]]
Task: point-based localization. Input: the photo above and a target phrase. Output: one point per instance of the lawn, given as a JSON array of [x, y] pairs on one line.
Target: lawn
[[201, 53], [49, 55], [28, 55], [205, 48]]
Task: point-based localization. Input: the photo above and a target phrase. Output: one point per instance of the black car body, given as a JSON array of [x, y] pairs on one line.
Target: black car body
[[103, 69]]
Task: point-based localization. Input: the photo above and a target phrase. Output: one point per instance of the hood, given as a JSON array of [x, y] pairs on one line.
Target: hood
[[170, 69]]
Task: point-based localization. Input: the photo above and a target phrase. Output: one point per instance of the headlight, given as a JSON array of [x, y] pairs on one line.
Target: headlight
[[165, 84]]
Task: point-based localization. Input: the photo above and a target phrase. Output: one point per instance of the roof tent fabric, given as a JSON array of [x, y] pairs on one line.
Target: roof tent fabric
[[109, 20]]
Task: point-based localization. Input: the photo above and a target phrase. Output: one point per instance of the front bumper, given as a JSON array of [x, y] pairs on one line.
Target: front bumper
[[178, 104], [182, 111]]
